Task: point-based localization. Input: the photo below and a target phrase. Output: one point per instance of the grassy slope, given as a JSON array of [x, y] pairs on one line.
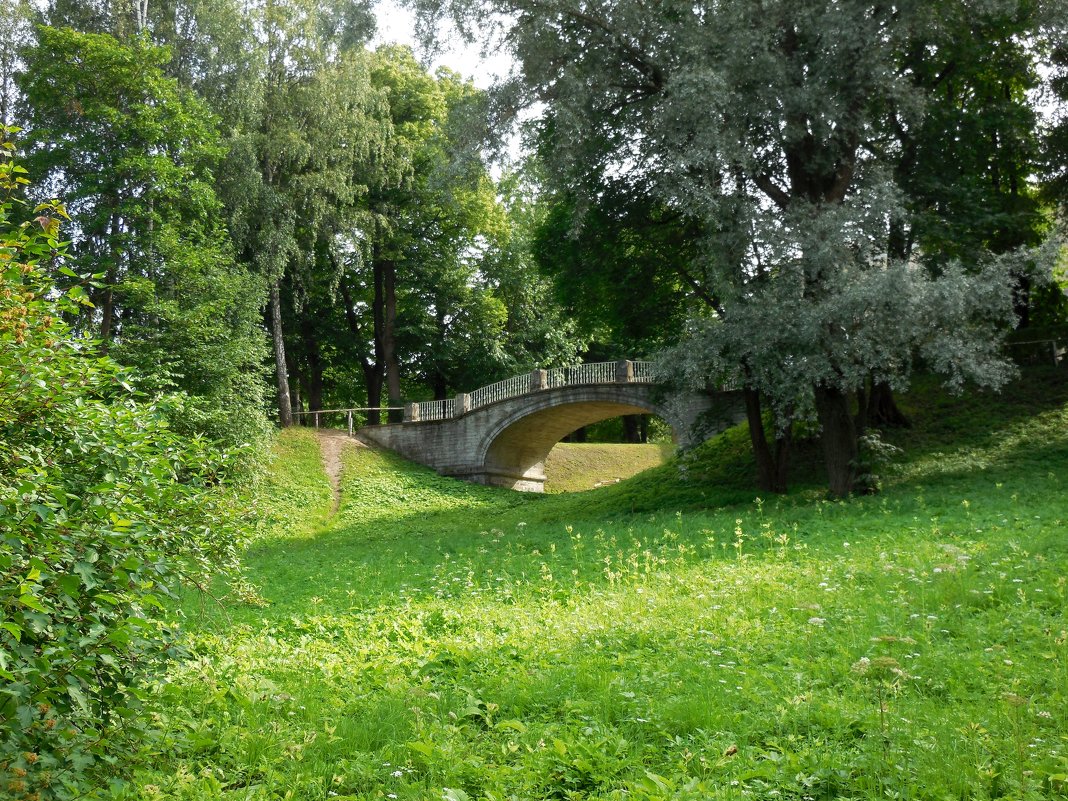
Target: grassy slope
[[573, 467], [295, 498], [666, 637]]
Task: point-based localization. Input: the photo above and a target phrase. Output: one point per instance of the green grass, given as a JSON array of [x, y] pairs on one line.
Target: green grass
[[668, 637], [294, 498], [574, 467]]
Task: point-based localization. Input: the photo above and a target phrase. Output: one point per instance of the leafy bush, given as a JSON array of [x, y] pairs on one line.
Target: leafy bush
[[103, 511]]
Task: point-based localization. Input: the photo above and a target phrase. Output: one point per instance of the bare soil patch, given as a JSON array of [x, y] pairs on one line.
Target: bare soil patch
[[332, 442]]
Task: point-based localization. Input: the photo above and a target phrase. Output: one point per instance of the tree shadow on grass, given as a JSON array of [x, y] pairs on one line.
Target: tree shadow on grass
[[400, 522]]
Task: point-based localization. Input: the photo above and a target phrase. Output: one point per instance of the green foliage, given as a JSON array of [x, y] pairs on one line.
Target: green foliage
[[773, 130], [428, 287], [540, 331], [132, 152], [965, 168], [471, 308], [198, 331], [124, 145], [103, 511], [306, 141], [1055, 141], [440, 640], [337, 160], [619, 271]]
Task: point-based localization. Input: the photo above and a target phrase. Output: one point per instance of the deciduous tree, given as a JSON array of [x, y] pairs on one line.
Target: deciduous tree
[[759, 120], [302, 152], [133, 153], [104, 512]]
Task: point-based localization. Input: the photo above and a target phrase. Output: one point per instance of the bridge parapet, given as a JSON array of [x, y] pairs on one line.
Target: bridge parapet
[[618, 372]]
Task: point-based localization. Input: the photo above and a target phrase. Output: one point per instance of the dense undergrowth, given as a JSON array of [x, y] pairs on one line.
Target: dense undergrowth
[[105, 510], [671, 636]]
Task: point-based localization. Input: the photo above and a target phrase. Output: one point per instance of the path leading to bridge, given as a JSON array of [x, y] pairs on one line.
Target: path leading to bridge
[[332, 441]]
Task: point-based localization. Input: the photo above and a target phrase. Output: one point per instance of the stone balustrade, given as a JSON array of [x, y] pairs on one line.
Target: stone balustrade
[[623, 371]]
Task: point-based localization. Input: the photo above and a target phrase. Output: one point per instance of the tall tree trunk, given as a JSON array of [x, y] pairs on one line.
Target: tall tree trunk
[[285, 410], [375, 377], [881, 409], [1022, 301], [772, 467], [898, 244], [372, 373], [107, 315], [296, 397], [372, 376], [7, 81], [389, 339], [315, 364], [860, 422], [439, 385], [439, 382], [877, 407], [107, 306], [8, 69], [839, 439], [296, 389]]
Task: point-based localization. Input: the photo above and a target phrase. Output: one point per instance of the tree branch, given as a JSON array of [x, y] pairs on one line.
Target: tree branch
[[779, 196]]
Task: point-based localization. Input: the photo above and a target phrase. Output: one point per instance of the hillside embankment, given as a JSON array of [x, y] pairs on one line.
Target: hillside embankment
[[671, 636]]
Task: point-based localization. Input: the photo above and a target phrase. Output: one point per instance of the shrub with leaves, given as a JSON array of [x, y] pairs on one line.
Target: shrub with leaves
[[103, 512]]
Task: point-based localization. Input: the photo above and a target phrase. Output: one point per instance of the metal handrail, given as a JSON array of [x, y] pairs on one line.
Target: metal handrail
[[353, 409], [349, 422], [1057, 352], [1052, 341], [502, 390], [436, 410], [574, 375]]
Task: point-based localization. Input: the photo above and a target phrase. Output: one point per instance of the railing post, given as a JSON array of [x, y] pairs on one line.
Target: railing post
[[411, 413], [462, 404], [538, 379], [624, 371], [349, 416], [316, 419]]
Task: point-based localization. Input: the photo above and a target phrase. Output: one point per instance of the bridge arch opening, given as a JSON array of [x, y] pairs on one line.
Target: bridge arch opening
[[607, 452], [513, 453]]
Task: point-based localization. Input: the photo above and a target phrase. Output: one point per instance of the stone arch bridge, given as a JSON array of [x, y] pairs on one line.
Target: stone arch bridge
[[500, 434]]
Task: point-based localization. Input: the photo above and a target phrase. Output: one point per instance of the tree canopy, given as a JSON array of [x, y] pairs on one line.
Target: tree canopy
[[776, 127]]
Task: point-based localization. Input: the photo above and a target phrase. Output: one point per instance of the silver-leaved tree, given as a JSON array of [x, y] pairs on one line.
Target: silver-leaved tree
[[776, 125]]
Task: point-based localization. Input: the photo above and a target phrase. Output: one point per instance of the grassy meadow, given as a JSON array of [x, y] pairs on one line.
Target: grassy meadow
[[578, 466], [672, 636]]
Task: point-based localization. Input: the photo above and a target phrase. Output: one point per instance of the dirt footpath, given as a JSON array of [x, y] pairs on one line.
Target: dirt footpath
[[331, 442]]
